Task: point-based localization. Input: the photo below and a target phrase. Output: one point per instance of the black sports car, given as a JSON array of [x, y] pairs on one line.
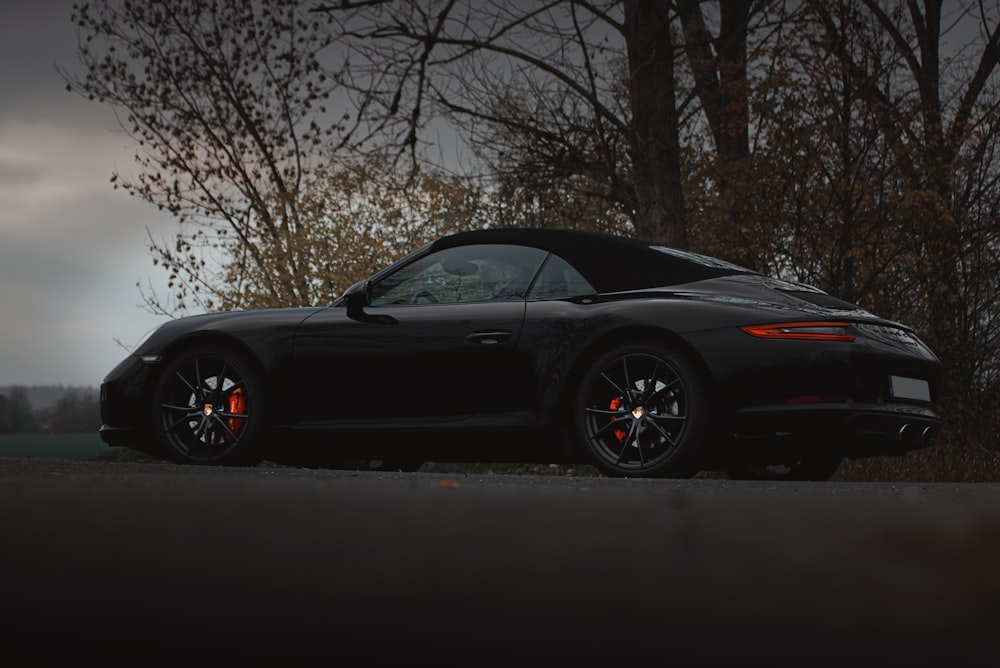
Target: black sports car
[[537, 346]]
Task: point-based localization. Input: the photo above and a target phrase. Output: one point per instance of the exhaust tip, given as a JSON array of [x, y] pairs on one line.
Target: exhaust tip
[[901, 434], [916, 434]]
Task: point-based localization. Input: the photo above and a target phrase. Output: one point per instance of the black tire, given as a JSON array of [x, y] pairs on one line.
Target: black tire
[[659, 404], [818, 466], [209, 407]]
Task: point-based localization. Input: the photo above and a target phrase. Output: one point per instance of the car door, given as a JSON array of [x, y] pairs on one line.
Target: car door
[[434, 340], [560, 317]]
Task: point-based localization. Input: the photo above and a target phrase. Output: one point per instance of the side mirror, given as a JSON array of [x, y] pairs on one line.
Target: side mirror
[[356, 299]]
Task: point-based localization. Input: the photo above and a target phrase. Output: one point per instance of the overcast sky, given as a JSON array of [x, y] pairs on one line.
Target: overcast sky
[[71, 247]]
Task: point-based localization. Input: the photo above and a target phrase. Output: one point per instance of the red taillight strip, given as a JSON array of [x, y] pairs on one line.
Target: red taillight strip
[[802, 331]]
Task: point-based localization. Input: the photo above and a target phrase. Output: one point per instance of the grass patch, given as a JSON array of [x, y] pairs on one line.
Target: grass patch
[[65, 446]]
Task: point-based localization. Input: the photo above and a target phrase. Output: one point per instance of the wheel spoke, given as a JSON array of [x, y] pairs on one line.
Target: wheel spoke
[[199, 393], [663, 432], [603, 428], [666, 416], [651, 386], [628, 437], [193, 389], [622, 393], [607, 411], [178, 407], [236, 384], [196, 431], [638, 446], [219, 379], [666, 386], [222, 423], [628, 381], [186, 418], [206, 429]]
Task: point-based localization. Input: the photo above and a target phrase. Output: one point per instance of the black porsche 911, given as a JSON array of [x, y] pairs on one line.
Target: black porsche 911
[[537, 346]]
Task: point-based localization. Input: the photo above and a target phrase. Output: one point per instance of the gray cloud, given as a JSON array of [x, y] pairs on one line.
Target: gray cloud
[[71, 248], [15, 173]]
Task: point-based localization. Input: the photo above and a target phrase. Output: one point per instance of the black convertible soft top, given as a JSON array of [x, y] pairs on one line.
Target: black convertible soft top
[[610, 263]]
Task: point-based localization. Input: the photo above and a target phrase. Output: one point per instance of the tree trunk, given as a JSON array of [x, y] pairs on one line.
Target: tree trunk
[[719, 67], [654, 141]]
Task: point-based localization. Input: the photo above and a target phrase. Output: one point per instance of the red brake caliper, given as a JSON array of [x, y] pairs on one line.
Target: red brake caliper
[[237, 404], [620, 434]]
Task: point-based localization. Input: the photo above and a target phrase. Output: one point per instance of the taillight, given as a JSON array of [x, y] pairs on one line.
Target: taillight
[[803, 331]]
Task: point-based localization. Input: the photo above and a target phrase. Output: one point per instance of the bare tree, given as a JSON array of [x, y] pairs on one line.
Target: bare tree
[[226, 101], [363, 216], [718, 57], [936, 112], [582, 91]]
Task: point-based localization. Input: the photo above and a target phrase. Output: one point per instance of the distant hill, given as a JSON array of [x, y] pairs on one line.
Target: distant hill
[[46, 396]]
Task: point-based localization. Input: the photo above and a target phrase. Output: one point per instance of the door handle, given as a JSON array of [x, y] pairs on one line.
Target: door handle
[[488, 338]]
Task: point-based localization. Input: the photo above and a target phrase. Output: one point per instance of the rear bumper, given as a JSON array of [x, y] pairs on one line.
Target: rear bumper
[[854, 429], [895, 432]]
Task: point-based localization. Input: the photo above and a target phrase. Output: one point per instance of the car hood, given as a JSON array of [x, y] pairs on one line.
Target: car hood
[[241, 323]]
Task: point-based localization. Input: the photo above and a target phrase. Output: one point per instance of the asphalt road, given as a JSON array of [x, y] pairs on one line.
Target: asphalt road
[[157, 564]]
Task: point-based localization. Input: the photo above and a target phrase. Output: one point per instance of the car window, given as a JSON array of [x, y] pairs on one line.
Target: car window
[[559, 280], [486, 272]]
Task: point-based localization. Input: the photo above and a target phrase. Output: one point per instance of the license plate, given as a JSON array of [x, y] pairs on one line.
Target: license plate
[[912, 389]]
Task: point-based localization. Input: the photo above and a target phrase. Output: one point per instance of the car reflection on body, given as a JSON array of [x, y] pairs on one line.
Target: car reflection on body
[[524, 345]]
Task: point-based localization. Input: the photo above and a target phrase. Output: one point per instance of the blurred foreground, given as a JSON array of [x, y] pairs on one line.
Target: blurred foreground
[[157, 564]]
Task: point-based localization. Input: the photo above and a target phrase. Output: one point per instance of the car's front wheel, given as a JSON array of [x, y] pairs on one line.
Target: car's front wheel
[[642, 411], [209, 408]]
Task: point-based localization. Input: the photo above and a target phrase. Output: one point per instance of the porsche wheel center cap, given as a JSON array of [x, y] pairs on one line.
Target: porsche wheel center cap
[[208, 409], [638, 412]]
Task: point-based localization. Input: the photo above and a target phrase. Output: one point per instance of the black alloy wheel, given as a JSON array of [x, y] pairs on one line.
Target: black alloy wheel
[[208, 408], [641, 412]]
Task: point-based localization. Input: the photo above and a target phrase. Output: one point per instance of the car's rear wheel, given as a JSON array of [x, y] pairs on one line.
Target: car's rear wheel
[[209, 408], [641, 411], [817, 466]]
